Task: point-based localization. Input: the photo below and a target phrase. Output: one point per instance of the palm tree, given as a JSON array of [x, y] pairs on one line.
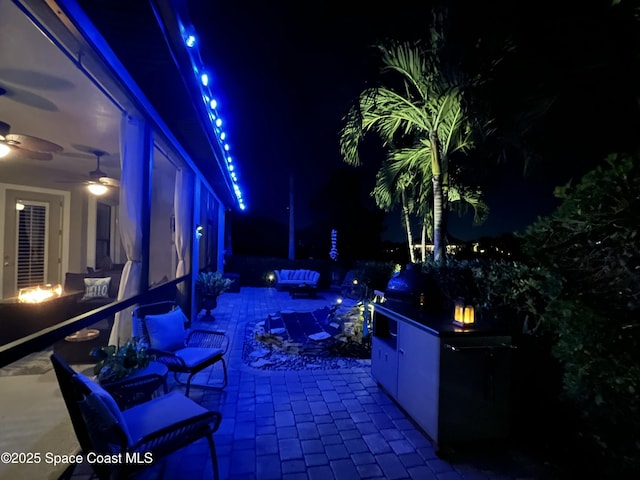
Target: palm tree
[[394, 186], [419, 108], [397, 184]]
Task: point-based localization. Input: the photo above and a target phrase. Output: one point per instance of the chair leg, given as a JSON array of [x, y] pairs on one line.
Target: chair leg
[[224, 371], [214, 457], [186, 392], [187, 384]]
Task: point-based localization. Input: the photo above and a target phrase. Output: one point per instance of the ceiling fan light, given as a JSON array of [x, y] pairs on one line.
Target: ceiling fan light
[[4, 150], [97, 189]]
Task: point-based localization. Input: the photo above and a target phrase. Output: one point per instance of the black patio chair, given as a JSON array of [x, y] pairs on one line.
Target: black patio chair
[[163, 326], [149, 431]]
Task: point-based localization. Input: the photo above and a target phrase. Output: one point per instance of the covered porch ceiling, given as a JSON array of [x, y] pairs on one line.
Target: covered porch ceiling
[[43, 94]]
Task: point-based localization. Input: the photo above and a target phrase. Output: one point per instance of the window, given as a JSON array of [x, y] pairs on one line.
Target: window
[[32, 244], [103, 232]]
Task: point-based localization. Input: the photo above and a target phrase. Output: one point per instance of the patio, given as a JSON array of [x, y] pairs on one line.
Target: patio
[[311, 423]]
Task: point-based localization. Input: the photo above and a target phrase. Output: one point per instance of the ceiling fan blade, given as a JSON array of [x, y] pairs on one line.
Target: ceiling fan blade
[[29, 154], [110, 182], [33, 144]]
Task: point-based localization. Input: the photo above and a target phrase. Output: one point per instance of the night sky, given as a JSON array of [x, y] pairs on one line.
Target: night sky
[[287, 72]]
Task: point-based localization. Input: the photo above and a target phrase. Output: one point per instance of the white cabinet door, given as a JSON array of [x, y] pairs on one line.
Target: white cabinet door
[[418, 376], [384, 365]]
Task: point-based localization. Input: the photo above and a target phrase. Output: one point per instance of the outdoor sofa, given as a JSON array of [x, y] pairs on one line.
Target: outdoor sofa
[[287, 279]]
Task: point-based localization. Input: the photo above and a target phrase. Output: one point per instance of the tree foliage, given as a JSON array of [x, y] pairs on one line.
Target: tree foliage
[[417, 113], [591, 243]]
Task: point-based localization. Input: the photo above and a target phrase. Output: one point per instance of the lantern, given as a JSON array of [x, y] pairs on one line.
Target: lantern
[[463, 315], [458, 311], [469, 315]]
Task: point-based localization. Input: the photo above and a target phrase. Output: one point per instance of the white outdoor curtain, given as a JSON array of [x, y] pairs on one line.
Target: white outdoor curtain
[[132, 161], [183, 206]]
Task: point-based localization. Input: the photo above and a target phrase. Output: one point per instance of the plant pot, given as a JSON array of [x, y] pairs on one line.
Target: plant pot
[[208, 303]]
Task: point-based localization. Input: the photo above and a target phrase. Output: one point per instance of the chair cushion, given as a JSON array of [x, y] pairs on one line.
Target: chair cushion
[[96, 288], [102, 397], [166, 331], [159, 413], [194, 356]]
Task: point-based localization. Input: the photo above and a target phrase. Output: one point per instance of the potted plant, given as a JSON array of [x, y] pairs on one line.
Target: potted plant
[[115, 363], [208, 286]]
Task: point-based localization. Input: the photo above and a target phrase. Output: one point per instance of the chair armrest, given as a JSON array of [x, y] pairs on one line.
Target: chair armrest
[[208, 339]]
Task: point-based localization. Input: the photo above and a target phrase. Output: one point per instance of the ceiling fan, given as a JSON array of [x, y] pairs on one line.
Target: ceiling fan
[[98, 182], [25, 145]]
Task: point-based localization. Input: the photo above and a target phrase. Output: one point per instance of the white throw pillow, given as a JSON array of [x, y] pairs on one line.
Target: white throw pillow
[[96, 288]]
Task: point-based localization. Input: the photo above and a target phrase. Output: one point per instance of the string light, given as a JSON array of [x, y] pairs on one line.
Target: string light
[[191, 42]]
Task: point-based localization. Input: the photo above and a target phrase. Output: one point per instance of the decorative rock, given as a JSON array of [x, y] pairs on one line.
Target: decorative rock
[[261, 363], [259, 353]]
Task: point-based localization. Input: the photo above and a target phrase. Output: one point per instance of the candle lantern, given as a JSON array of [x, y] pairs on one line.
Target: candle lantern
[[469, 315], [458, 311], [463, 315]]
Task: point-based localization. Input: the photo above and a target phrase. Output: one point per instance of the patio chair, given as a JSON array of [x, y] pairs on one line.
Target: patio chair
[[140, 436], [162, 326]]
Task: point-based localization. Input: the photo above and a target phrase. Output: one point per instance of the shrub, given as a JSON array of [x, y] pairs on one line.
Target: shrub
[[511, 292], [590, 242]]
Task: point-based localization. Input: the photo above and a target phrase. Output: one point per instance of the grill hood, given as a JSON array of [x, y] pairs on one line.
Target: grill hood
[[412, 287]]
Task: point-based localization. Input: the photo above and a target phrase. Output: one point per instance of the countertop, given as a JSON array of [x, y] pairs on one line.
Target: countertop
[[439, 324]]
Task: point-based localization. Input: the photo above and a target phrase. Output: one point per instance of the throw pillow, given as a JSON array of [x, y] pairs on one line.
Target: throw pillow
[[101, 400], [166, 331], [96, 288]]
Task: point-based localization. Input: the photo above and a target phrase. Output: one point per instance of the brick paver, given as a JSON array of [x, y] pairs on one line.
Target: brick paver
[[307, 424]]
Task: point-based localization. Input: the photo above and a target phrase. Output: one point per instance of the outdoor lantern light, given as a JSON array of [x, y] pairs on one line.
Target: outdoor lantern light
[[469, 316], [463, 315]]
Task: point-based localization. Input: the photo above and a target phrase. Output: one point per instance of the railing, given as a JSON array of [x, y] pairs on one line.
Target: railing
[[45, 338]]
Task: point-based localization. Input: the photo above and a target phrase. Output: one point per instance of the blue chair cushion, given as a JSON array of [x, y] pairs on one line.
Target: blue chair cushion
[[194, 356], [161, 412], [166, 331]]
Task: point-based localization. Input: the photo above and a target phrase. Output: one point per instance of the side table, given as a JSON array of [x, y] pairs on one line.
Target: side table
[[139, 387]]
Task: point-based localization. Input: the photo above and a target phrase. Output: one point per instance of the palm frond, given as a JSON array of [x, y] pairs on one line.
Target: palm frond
[[460, 199]]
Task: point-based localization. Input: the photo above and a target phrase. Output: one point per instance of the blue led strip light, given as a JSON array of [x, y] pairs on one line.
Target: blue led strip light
[[191, 41]]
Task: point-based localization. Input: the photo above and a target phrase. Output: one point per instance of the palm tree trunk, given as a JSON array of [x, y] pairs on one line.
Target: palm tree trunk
[[436, 168], [407, 226], [424, 240], [438, 232]]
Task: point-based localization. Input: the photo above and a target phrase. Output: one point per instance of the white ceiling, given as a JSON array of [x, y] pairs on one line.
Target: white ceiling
[[48, 97]]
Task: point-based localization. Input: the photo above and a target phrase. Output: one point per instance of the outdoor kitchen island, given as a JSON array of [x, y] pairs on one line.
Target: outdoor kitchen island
[[453, 382]]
